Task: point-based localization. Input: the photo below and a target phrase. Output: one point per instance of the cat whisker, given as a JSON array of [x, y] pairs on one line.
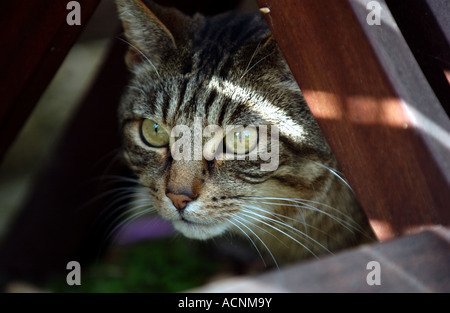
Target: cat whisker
[[248, 237], [289, 228], [142, 210], [120, 179], [118, 195], [262, 229], [110, 213], [108, 160], [104, 181], [303, 221], [299, 201], [262, 59], [251, 59], [122, 194], [114, 191], [350, 225], [335, 173], [116, 224], [281, 216], [242, 221], [141, 53], [277, 229], [305, 204]]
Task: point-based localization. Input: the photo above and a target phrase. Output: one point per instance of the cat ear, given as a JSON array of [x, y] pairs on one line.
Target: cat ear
[[151, 31]]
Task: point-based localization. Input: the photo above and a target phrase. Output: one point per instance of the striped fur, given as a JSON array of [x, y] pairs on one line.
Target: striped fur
[[228, 70]]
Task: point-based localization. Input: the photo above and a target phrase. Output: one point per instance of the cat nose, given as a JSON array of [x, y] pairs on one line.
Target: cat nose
[[179, 200]]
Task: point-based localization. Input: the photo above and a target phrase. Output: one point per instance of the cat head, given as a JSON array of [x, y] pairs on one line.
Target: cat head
[[214, 125]]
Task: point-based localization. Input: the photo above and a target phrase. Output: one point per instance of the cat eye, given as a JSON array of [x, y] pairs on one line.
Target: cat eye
[[241, 140], [153, 134]]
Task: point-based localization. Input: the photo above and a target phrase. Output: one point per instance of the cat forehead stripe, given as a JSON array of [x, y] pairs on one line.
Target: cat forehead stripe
[[269, 112]]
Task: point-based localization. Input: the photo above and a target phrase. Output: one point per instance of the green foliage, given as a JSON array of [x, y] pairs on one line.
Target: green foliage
[[167, 265]]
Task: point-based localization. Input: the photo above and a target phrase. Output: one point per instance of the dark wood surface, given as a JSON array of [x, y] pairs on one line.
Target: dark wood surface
[[416, 263], [425, 25], [59, 221], [34, 39], [375, 107]]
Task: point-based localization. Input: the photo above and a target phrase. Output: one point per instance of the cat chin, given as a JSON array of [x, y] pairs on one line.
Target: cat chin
[[199, 231]]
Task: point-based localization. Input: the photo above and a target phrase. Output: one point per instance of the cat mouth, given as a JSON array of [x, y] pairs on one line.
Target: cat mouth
[[196, 230], [196, 224], [190, 222]]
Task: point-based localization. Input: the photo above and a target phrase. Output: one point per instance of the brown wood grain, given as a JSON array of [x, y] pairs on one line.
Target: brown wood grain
[[34, 39], [377, 111]]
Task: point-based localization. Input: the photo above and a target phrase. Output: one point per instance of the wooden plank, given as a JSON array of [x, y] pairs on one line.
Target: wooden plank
[[425, 24], [34, 39], [376, 109], [416, 263], [58, 223]]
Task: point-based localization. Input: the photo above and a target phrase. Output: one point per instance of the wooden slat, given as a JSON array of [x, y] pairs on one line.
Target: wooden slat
[[34, 39], [425, 24], [416, 263], [58, 222], [376, 109]]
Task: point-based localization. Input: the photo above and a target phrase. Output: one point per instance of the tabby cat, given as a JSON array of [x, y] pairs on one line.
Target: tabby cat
[[227, 71]]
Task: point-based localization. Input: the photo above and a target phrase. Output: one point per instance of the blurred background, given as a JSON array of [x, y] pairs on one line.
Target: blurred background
[[44, 128]]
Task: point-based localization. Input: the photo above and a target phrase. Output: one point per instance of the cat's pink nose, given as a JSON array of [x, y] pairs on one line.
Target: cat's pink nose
[[179, 200]]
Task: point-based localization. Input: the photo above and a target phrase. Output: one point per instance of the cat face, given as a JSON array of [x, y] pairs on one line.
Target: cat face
[[217, 130]]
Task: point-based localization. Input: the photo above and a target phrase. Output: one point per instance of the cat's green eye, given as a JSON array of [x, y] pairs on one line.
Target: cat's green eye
[[153, 134], [241, 140]]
